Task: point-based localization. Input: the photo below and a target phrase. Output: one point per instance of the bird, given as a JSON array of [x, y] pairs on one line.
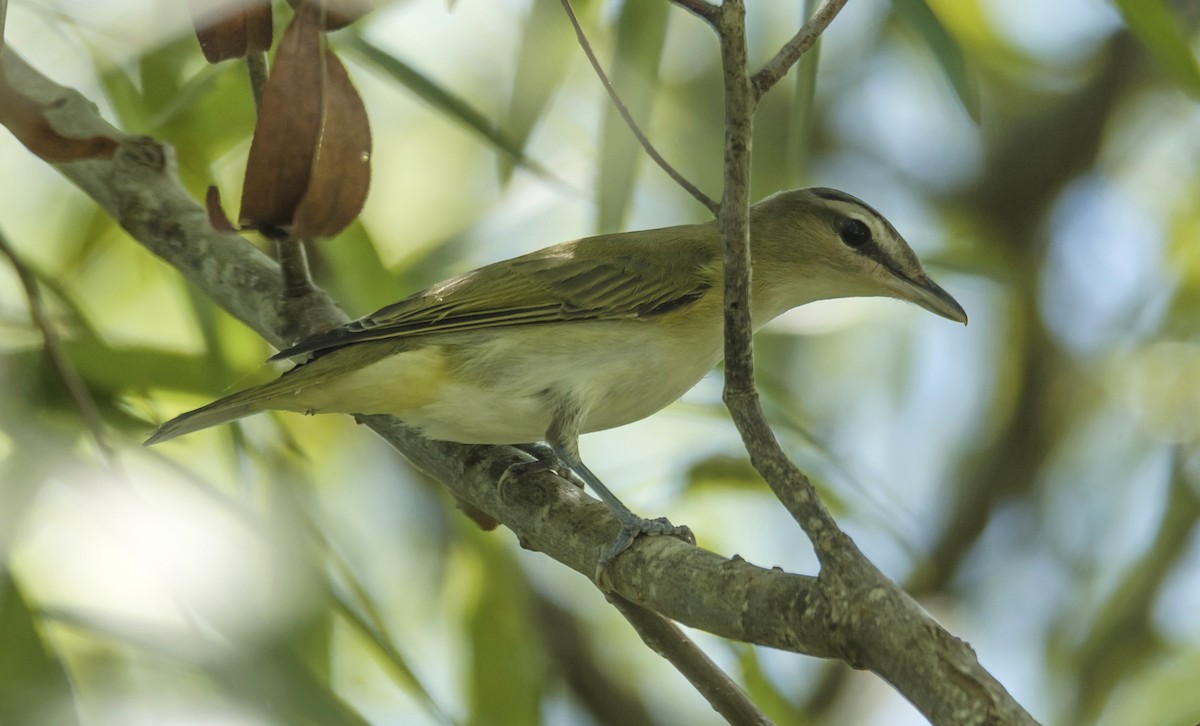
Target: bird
[[582, 336]]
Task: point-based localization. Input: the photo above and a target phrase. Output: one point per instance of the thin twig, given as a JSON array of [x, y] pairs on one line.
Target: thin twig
[[787, 56], [53, 347], [637, 132], [703, 8], [293, 258], [293, 261], [790, 485], [659, 633], [665, 638], [920, 660], [602, 692], [298, 286]]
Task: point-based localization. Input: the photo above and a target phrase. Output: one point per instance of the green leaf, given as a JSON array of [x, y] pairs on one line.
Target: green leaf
[[760, 689], [507, 663], [34, 687], [725, 472], [377, 638], [162, 70], [122, 93], [280, 679], [1152, 23], [803, 112], [443, 100], [641, 32], [114, 369], [357, 278], [545, 53], [918, 16], [212, 114]]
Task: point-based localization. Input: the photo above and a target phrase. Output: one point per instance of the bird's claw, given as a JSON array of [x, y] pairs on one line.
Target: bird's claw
[[544, 460], [629, 533]]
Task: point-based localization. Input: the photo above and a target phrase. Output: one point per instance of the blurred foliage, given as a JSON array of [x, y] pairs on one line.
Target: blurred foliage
[[1033, 479]]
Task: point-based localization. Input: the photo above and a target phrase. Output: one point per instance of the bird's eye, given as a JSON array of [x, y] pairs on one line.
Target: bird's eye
[[854, 233]]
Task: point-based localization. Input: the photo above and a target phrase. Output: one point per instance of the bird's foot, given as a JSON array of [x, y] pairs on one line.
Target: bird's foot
[[631, 529], [549, 460], [544, 459]]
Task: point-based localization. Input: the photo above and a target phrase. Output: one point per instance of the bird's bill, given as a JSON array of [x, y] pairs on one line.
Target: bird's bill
[[929, 295]]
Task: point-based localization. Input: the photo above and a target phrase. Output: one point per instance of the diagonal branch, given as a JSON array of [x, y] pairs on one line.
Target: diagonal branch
[[665, 638], [777, 67], [851, 612], [138, 186], [703, 8], [624, 111]]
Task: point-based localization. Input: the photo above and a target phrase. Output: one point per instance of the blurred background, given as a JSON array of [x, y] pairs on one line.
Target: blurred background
[[1033, 479]]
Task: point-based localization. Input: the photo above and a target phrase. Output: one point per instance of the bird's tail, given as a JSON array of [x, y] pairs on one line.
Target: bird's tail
[[242, 403]]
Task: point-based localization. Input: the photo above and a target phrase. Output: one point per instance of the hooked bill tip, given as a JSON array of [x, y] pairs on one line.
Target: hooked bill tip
[[929, 295]]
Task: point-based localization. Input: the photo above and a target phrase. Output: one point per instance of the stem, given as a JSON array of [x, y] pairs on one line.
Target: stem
[[787, 56], [665, 638], [293, 263], [679, 179]]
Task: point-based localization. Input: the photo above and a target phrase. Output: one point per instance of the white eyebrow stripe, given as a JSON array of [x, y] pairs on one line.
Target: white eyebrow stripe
[[889, 249], [880, 229]]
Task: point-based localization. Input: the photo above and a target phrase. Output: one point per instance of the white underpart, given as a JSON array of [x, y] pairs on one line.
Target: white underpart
[[492, 394]]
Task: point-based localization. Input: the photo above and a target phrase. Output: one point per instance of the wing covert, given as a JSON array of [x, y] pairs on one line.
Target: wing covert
[[600, 278]]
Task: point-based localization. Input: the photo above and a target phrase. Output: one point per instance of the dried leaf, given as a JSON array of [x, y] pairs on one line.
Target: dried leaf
[[231, 28], [216, 214], [342, 170], [26, 119], [288, 130], [338, 13]]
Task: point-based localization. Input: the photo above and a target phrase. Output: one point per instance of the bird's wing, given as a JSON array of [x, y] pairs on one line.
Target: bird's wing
[[583, 280]]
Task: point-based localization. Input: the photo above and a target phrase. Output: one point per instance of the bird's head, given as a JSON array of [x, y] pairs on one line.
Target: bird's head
[[816, 244]]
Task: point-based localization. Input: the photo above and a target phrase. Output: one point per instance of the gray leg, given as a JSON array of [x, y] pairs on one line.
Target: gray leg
[[563, 440], [632, 526]]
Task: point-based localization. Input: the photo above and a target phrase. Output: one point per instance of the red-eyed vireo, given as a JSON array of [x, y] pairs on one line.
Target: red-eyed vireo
[[584, 335]]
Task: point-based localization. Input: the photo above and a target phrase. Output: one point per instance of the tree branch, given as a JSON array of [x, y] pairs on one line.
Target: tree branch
[[777, 67], [140, 189], [703, 8], [893, 636], [665, 638], [679, 179], [850, 612]]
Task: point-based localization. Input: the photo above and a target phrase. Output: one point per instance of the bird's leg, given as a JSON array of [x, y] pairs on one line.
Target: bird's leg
[[632, 525], [563, 441]]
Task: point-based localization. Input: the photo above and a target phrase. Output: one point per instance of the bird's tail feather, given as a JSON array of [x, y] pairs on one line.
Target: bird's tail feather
[[242, 403], [283, 393]]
